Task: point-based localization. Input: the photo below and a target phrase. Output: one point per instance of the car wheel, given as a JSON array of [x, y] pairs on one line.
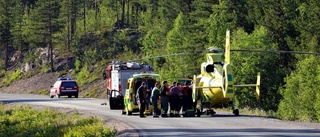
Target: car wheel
[[76, 95], [69, 96]]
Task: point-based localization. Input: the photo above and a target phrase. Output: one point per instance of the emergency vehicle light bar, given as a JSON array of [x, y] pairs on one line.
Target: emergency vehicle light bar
[[64, 78]]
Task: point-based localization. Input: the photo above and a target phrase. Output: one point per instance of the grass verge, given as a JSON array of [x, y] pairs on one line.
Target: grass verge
[[27, 121], [254, 112]]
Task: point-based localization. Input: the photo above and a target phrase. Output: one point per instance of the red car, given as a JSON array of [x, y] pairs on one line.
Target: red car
[[64, 87]]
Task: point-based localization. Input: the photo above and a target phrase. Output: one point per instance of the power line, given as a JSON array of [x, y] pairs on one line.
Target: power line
[[234, 50], [276, 51]]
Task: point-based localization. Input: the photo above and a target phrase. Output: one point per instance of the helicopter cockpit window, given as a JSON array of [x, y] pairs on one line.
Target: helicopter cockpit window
[[209, 68], [215, 50]]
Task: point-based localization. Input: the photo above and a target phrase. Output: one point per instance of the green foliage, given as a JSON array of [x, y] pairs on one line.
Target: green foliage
[[220, 20], [179, 41], [78, 66], [43, 92], [301, 93], [11, 77], [29, 74], [92, 32], [247, 65], [84, 76], [2, 73], [26, 121], [45, 68], [31, 56], [91, 94]]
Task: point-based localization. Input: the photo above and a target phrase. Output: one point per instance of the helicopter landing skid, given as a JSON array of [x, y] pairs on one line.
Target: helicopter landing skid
[[236, 112], [210, 112]]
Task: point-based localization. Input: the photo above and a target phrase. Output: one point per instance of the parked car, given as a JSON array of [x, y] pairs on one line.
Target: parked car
[[64, 87]]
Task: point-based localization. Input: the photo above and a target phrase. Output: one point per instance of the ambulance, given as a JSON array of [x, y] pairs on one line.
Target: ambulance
[[130, 96], [116, 76]]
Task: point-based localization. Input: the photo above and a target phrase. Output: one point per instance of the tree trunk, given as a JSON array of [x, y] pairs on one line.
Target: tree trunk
[[68, 28], [128, 12], [118, 24], [84, 15], [96, 10], [6, 36], [73, 19], [20, 27], [133, 16], [50, 44], [6, 65], [137, 10], [68, 33], [122, 17]]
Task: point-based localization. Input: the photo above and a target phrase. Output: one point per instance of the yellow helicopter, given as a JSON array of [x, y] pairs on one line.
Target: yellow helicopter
[[214, 87]]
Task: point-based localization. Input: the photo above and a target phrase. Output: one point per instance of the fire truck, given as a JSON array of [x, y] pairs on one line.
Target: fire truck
[[117, 75]]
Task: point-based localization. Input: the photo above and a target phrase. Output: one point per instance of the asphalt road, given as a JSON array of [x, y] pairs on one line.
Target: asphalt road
[[221, 124]]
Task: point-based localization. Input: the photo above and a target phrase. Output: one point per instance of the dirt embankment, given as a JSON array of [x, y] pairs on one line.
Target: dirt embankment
[[40, 84], [31, 85]]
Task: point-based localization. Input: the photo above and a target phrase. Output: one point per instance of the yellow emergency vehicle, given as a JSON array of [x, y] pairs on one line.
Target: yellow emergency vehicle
[[130, 100]]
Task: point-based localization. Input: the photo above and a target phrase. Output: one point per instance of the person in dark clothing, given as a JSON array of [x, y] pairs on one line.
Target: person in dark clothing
[[187, 99], [154, 99], [150, 86], [164, 92], [174, 101], [142, 98]]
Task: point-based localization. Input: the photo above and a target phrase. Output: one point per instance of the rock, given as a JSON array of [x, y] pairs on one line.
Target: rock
[[65, 64], [16, 56], [27, 67]]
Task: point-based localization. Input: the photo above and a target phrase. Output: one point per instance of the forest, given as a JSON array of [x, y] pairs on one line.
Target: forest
[[96, 31]]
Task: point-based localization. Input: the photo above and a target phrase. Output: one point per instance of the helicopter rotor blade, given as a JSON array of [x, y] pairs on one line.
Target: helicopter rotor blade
[[162, 56], [232, 50], [276, 51]]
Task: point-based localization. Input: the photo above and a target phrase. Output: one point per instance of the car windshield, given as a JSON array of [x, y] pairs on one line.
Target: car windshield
[[68, 84]]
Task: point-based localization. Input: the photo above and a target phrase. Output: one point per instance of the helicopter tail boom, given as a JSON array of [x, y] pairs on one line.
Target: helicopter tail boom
[[257, 85]]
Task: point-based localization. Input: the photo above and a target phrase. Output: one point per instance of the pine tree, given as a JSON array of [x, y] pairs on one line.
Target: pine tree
[[5, 29], [45, 23]]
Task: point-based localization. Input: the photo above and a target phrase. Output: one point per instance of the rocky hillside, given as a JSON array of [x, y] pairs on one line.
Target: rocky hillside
[[36, 78], [40, 84]]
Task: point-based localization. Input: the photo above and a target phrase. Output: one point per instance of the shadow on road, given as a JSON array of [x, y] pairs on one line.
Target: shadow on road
[[231, 132]]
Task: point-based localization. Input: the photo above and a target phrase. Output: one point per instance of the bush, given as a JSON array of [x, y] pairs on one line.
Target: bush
[[301, 93], [45, 68], [31, 55], [26, 121], [11, 77], [2, 73], [78, 66], [84, 76]]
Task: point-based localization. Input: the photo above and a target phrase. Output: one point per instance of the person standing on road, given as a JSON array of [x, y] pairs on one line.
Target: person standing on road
[[142, 98], [148, 95], [171, 104], [154, 99], [164, 91], [174, 101], [187, 100]]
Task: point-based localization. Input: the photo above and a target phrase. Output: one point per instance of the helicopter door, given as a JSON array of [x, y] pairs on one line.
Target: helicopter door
[[116, 100]]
